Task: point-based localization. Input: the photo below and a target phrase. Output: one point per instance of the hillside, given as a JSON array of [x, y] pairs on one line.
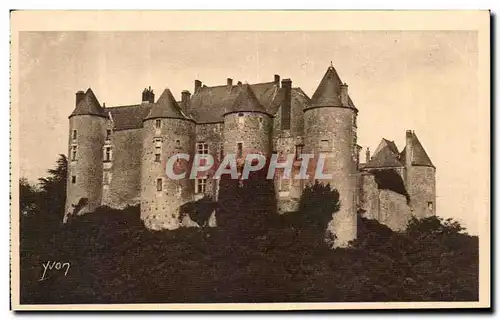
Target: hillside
[[114, 259]]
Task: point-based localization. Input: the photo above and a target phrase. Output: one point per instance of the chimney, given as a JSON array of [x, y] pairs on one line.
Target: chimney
[[277, 80], [408, 157], [185, 99], [286, 104], [344, 96], [148, 96], [367, 155], [197, 85], [229, 84], [79, 97]]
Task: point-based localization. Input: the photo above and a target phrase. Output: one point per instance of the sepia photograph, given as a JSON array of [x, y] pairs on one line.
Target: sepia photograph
[[190, 160]]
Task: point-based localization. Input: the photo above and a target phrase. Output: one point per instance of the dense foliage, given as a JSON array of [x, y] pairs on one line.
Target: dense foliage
[[253, 256]]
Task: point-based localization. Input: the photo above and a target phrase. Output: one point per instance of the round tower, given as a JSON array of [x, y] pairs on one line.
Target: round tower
[[247, 126], [329, 129], [166, 131], [87, 130], [420, 177]]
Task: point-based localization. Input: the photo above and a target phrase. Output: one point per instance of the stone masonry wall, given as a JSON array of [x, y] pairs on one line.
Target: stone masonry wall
[[394, 210], [329, 130], [370, 197], [123, 186], [422, 189], [160, 209], [254, 131], [211, 134]]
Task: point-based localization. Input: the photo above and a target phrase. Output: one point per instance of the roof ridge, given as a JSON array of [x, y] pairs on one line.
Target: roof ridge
[[127, 106]]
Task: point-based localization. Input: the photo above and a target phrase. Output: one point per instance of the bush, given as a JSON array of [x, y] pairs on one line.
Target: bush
[[114, 259]]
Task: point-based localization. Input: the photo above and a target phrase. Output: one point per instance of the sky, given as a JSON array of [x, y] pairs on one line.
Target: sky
[[425, 81]]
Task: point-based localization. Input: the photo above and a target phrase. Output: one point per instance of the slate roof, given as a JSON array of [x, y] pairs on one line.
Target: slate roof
[[210, 104], [129, 117], [420, 157], [166, 107], [384, 158], [328, 92], [89, 105], [246, 101]]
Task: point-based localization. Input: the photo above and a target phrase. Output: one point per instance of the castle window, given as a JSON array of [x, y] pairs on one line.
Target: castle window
[[73, 179], [298, 151], [239, 152], [178, 143], [106, 178], [107, 154], [241, 120], [201, 185], [202, 148], [261, 123], [108, 134], [74, 134], [73, 153], [157, 154], [159, 184], [324, 145], [221, 151], [430, 206], [158, 123]]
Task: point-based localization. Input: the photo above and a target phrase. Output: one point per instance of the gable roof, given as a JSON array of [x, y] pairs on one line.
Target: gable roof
[[386, 143], [419, 156], [88, 105], [246, 101], [327, 93], [129, 117], [210, 104], [384, 158], [166, 107]]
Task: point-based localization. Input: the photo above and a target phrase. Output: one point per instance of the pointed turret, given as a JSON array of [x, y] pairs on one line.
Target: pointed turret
[[331, 92], [166, 107], [420, 177], [330, 128], [87, 104], [246, 101], [87, 130], [418, 155], [166, 131]]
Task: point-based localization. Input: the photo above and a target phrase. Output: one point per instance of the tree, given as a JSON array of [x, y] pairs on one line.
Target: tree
[[28, 197], [317, 205], [53, 191]]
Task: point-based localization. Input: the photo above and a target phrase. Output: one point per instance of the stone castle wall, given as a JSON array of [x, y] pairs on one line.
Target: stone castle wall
[[211, 134], [252, 129], [329, 130], [422, 190], [160, 209], [123, 185]]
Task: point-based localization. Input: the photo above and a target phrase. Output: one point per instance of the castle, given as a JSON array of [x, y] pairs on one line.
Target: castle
[[116, 154]]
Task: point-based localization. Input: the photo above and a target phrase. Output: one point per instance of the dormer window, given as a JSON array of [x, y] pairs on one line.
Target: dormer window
[[158, 123]]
